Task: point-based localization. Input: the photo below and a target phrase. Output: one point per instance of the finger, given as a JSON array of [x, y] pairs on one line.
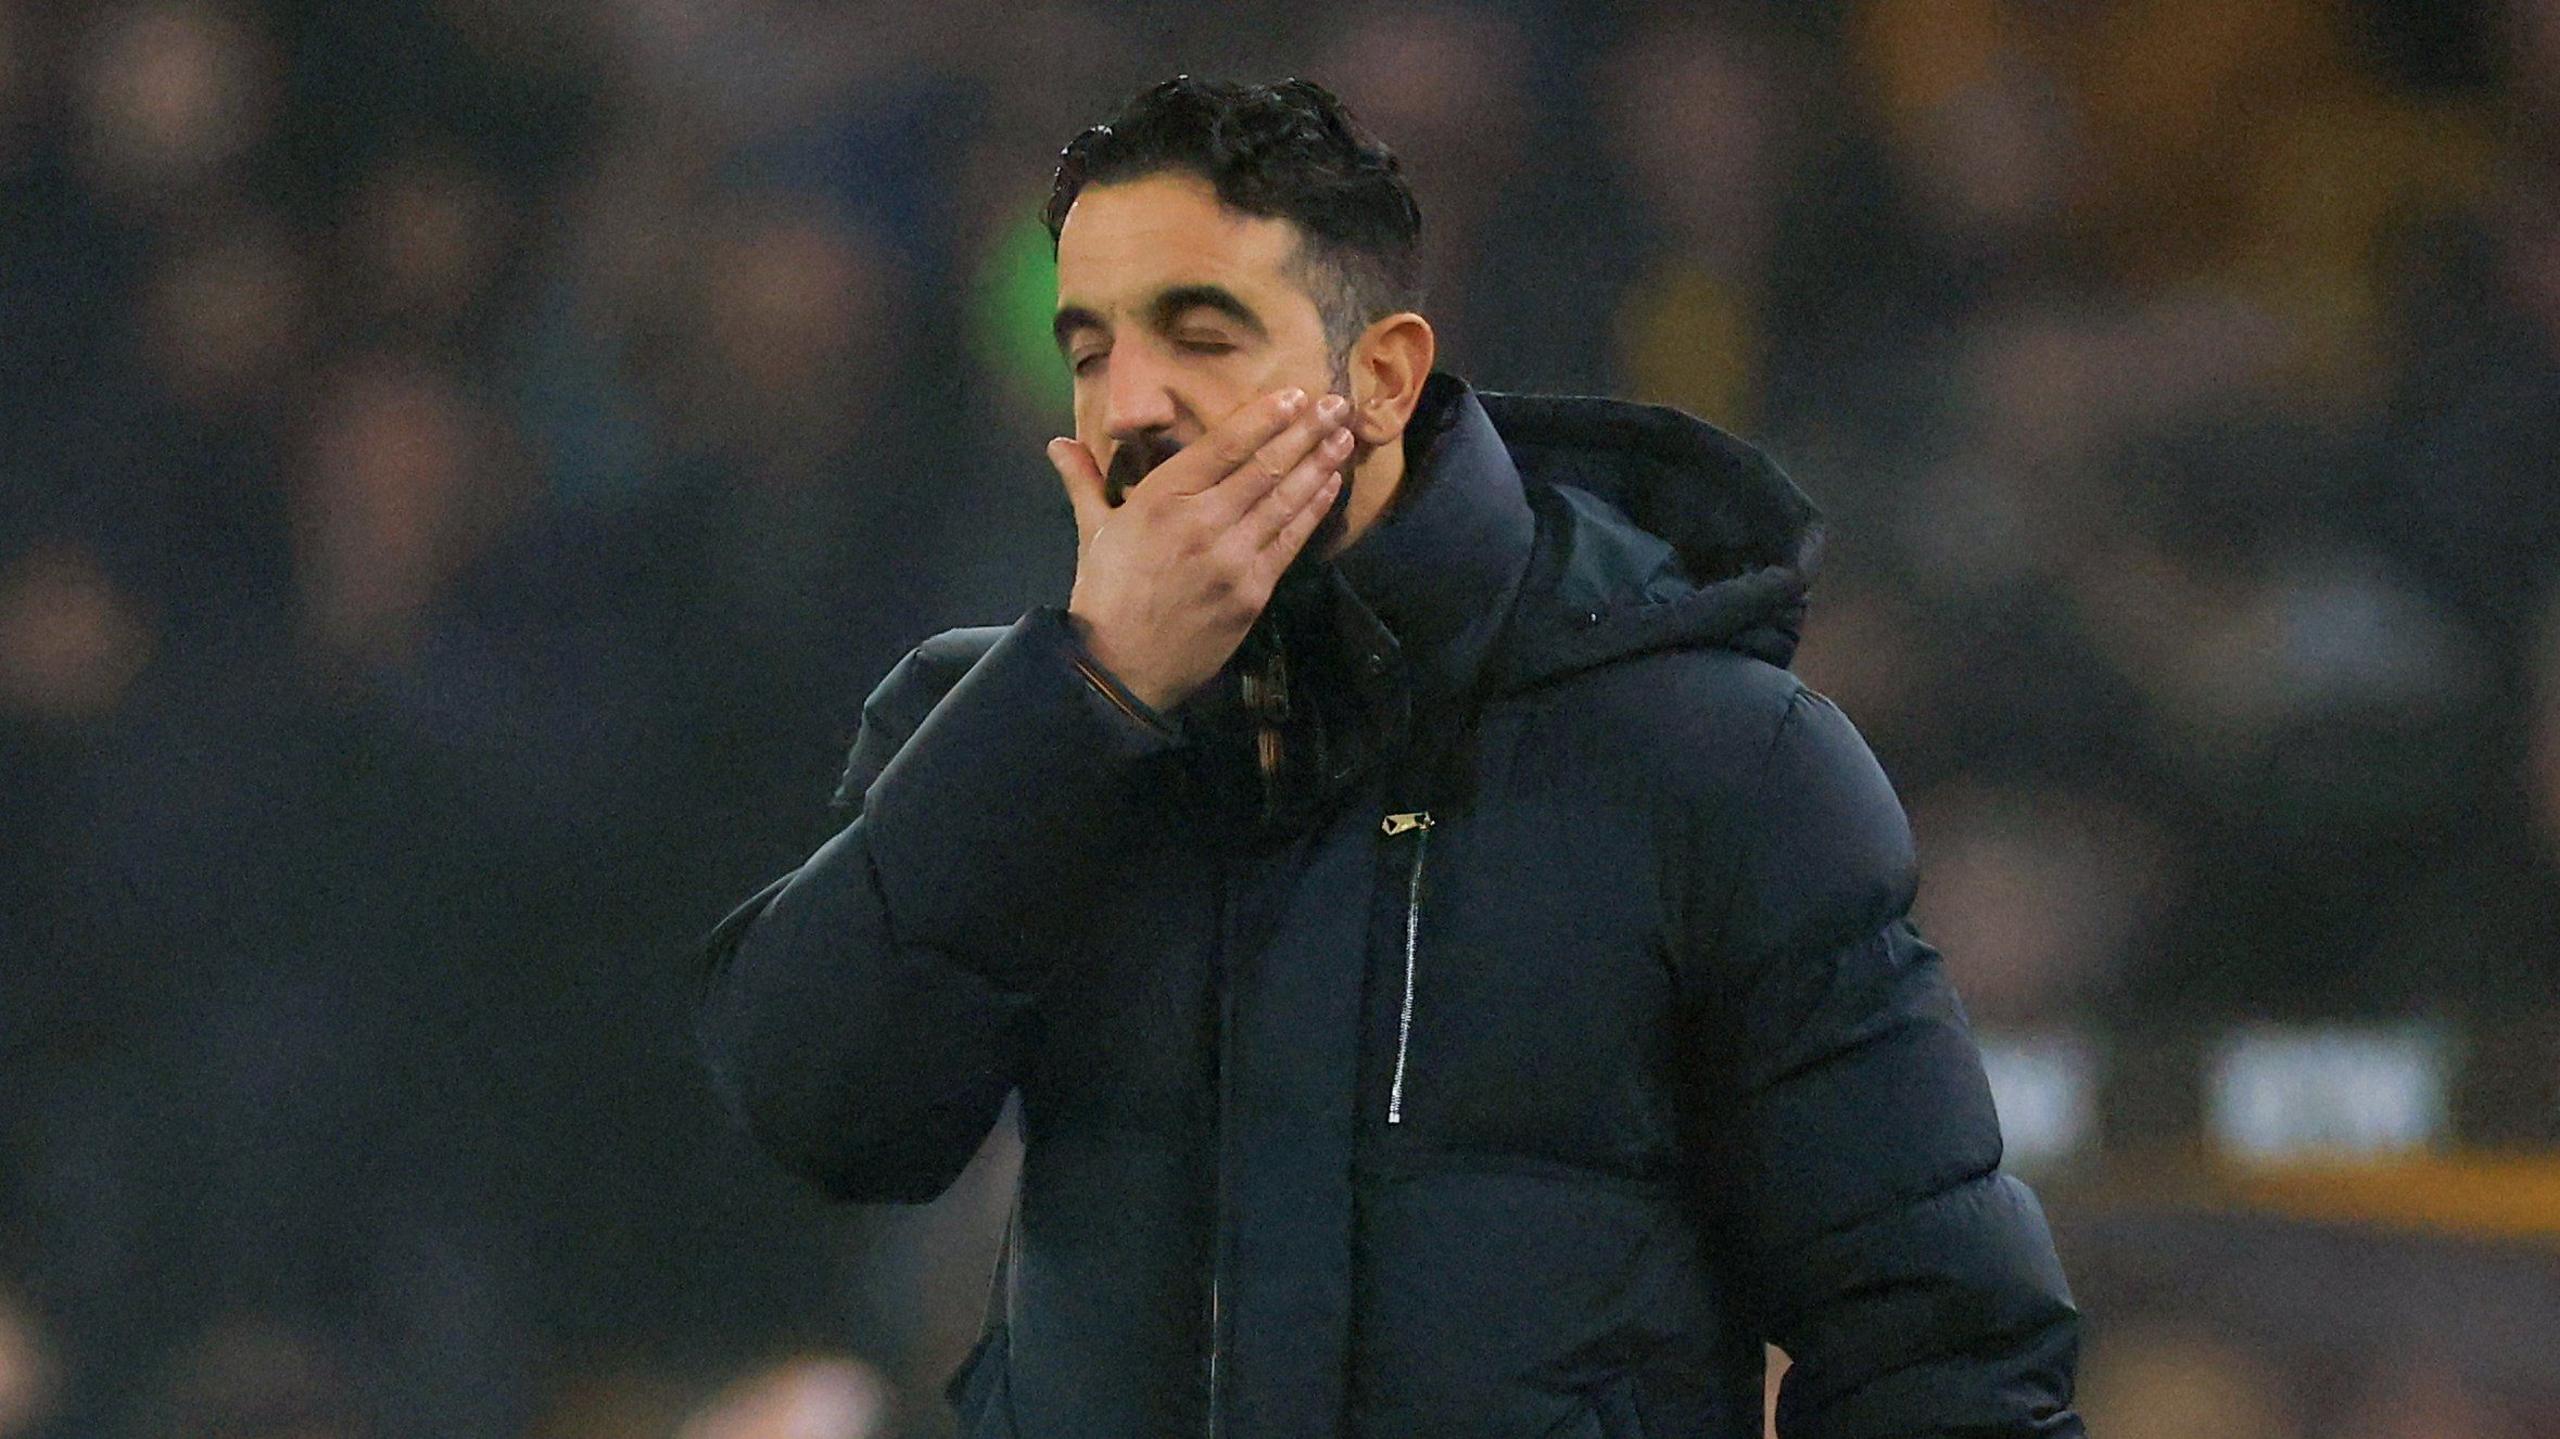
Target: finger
[[1285, 545], [1283, 501], [1276, 461], [1216, 455], [1083, 481]]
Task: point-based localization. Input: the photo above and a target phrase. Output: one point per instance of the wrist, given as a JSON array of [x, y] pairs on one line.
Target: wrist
[[1112, 675]]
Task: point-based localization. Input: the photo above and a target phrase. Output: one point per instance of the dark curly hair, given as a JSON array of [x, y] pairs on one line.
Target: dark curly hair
[[1290, 151]]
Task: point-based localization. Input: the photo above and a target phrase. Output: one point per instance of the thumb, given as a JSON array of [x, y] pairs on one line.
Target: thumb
[[1083, 481]]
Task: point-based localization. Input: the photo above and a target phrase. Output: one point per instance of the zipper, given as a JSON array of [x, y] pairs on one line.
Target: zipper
[[1213, 1343], [1417, 823], [1226, 1018]]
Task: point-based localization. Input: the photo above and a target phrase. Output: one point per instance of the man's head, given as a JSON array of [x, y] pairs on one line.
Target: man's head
[[1217, 242]]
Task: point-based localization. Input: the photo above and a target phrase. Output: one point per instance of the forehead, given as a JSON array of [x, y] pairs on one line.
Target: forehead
[[1122, 242]]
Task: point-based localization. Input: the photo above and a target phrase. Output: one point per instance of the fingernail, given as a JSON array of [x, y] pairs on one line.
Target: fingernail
[[1292, 401], [1339, 442], [1332, 408]]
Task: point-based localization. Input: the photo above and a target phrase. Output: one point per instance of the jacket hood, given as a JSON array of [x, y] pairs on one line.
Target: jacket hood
[[1656, 530]]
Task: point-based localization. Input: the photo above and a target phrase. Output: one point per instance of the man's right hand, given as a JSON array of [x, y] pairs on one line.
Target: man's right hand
[[1168, 582]]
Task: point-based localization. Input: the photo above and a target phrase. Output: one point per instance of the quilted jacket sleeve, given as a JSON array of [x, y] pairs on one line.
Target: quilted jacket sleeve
[[864, 1016], [1915, 1286]]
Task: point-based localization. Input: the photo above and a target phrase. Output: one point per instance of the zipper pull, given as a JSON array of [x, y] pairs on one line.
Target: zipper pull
[[1401, 823]]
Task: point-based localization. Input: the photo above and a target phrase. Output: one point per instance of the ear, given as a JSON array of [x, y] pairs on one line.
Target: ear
[[1389, 362]]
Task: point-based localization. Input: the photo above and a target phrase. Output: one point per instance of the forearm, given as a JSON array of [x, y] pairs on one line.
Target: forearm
[[997, 824], [866, 1014]]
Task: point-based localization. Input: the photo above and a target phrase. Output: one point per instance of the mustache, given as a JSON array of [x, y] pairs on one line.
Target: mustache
[[1134, 461]]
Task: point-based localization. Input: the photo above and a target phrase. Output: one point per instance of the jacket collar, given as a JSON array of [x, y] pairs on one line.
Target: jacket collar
[[1656, 531], [1430, 585]]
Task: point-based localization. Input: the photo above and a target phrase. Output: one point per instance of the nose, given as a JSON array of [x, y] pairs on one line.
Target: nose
[[1138, 399]]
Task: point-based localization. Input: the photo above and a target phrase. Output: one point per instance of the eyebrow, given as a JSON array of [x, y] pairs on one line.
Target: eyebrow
[[1072, 318], [1173, 304], [1164, 310]]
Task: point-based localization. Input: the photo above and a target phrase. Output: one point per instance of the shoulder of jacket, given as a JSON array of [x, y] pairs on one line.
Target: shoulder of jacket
[[1684, 697], [1742, 686], [1686, 734], [1765, 720]]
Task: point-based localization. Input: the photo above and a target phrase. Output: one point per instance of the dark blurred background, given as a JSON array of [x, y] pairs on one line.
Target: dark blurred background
[[463, 462]]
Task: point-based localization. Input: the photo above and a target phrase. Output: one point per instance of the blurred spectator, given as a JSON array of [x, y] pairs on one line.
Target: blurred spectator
[[2154, 1382], [624, 1401], [747, 68], [1698, 122], [1452, 84], [226, 318], [173, 96], [1990, 163], [253, 1379], [2477, 410], [402, 487], [2036, 897], [2198, 141], [813, 1398], [424, 238], [70, 641], [784, 338], [598, 277], [792, 388]]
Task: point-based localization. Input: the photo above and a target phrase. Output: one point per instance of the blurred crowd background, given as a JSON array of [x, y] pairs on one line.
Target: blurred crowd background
[[463, 462]]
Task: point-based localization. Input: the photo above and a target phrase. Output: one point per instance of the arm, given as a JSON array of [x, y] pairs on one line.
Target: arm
[[1915, 1287], [864, 1016]]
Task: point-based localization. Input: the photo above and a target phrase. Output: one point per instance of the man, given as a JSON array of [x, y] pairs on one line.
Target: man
[[1456, 978]]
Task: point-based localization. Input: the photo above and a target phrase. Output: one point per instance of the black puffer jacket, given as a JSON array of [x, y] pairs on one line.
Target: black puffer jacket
[[1534, 1118]]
